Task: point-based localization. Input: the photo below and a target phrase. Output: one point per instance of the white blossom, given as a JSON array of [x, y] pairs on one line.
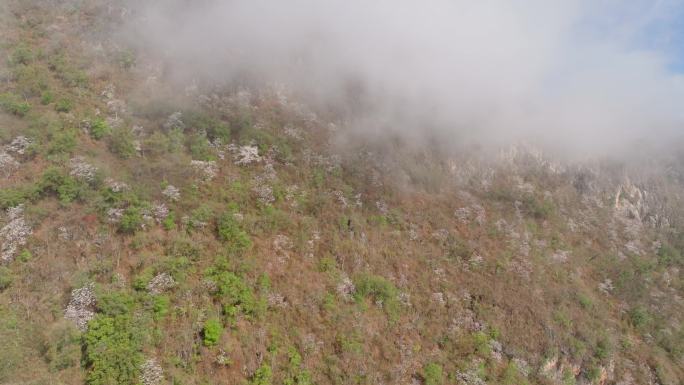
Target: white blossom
[[160, 212], [293, 132], [174, 121], [341, 198], [161, 283], [208, 168], [247, 155], [276, 300], [346, 288], [606, 286], [382, 207], [116, 186], [64, 233], [171, 193], [116, 107], [438, 298], [560, 256], [264, 193], [522, 365], [108, 92]]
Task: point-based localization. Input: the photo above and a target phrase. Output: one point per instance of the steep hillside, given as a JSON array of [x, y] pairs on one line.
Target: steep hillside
[[157, 233]]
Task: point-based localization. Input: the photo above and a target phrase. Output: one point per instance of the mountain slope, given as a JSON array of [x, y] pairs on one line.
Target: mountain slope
[[189, 234]]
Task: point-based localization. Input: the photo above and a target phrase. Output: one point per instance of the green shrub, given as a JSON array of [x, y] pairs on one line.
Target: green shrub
[[433, 375], [25, 256], [31, 80], [63, 349], [481, 343], [46, 97], [169, 223], [64, 71], [235, 295], [539, 209], [198, 144], [569, 377], [6, 278], [13, 196], [112, 351], [212, 331], [13, 104], [240, 123], [115, 303], [214, 128], [229, 231], [176, 138], [64, 105], [200, 216], [141, 280], [668, 255], [327, 264], [70, 190], [297, 375], [63, 142], [262, 376], [157, 144], [585, 301], [380, 291], [593, 373], [160, 306], [21, 55], [602, 349], [126, 59], [272, 219], [578, 348], [562, 319], [638, 317], [512, 376], [131, 221], [121, 143], [99, 129], [66, 187], [457, 249]]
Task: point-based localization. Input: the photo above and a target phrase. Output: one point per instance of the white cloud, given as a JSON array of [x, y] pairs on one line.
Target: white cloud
[[577, 74]]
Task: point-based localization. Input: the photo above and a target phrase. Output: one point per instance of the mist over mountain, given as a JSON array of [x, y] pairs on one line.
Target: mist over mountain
[[576, 77]]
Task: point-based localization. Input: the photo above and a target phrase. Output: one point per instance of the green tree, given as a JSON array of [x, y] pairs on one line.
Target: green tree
[[112, 351], [212, 331]]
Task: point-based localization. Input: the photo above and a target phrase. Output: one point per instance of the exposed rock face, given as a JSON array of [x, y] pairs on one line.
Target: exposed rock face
[[151, 373], [7, 164], [14, 234], [81, 169], [635, 205], [80, 309]]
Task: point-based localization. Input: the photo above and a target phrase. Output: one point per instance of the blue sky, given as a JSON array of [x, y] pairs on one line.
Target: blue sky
[[652, 25]]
